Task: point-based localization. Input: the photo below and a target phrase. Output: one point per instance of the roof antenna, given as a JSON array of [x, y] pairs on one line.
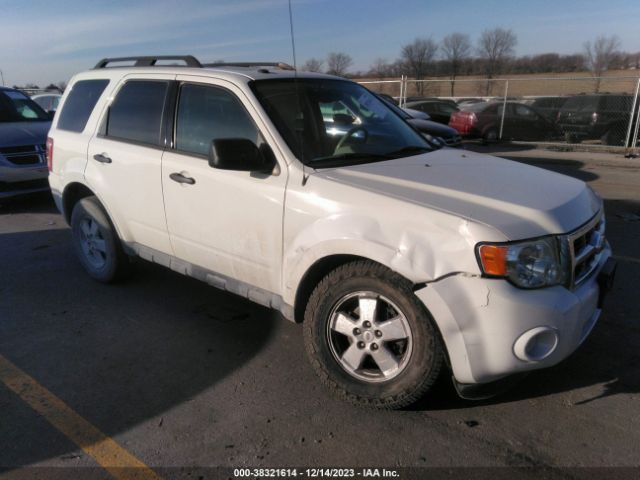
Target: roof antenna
[[305, 176]]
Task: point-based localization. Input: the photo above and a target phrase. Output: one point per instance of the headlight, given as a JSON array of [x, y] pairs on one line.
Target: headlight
[[528, 264]]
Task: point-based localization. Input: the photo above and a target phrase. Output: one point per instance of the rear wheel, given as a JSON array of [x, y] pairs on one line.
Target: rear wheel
[[370, 339], [614, 136], [490, 136], [96, 242]]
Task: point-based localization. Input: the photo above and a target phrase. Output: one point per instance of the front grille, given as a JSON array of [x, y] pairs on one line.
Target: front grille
[[25, 154], [585, 249]]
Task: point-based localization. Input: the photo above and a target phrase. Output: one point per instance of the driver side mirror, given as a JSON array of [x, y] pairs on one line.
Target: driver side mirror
[[240, 154]]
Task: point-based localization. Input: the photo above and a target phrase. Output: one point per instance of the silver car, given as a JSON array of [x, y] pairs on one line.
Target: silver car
[[23, 135]]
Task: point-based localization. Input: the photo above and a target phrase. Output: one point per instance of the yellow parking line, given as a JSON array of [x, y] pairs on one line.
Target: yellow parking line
[[104, 450]]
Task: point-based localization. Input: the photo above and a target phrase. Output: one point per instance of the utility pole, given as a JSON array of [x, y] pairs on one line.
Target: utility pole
[[2, 76]]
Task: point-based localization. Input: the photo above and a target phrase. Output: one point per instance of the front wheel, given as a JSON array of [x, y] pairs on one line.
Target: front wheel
[[369, 337]]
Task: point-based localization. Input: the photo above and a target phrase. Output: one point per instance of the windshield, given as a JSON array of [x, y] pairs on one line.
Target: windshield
[[328, 122], [17, 107]]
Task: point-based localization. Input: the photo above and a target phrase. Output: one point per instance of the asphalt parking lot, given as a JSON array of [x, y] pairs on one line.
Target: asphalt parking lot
[[184, 377]]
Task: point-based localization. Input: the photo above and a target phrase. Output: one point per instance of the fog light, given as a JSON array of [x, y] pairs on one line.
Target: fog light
[[536, 344]]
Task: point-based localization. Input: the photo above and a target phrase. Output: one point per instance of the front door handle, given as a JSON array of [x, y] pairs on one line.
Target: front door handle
[[102, 158], [180, 178]]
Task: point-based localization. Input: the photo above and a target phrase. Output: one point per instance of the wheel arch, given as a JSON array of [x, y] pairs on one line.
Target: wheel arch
[[318, 270], [76, 191], [72, 194]]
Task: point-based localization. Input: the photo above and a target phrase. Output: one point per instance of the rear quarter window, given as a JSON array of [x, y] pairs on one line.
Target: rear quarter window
[[80, 103]]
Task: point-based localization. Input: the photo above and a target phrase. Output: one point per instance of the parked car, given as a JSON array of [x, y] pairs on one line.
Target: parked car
[[47, 101], [23, 134], [603, 117], [339, 119], [442, 134], [388, 98], [548, 107], [482, 120], [439, 110], [469, 100], [400, 259]]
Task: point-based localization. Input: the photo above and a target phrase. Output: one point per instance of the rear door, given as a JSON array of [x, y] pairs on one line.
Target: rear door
[[228, 222], [124, 160], [529, 124]]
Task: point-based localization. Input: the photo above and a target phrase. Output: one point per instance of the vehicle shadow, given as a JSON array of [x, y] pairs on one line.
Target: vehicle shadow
[[119, 354], [572, 168], [32, 203], [497, 148]]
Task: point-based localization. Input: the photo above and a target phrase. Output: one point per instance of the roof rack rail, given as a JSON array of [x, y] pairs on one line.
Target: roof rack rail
[[150, 61], [280, 65]]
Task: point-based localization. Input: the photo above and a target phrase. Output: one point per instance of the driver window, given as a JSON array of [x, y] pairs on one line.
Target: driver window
[[208, 113]]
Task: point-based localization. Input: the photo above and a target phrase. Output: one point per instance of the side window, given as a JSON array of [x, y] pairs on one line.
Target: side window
[[136, 112], [448, 109], [525, 112], [79, 104], [209, 113]]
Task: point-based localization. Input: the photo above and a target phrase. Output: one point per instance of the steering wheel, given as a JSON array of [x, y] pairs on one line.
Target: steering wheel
[[344, 140]]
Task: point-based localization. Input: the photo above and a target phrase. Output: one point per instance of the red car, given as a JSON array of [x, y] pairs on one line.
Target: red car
[[521, 122]]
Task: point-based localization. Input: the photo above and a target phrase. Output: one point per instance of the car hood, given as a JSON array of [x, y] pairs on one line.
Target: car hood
[[519, 200], [433, 128], [13, 134]]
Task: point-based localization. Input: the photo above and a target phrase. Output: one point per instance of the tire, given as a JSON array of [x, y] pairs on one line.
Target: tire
[[571, 138], [96, 242], [395, 372], [490, 136], [614, 136]]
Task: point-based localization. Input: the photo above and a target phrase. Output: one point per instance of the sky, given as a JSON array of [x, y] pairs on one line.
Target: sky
[[43, 41]]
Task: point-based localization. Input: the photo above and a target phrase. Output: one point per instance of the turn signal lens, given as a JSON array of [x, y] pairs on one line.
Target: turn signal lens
[[494, 259]]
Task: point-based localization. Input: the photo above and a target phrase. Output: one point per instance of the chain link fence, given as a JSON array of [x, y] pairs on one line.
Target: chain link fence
[[593, 111]]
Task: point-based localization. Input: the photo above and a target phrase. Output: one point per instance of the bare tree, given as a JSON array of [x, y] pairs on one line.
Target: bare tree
[[313, 65], [338, 63], [495, 47], [62, 86], [381, 68], [599, 54], [417, 57], [456, 48]]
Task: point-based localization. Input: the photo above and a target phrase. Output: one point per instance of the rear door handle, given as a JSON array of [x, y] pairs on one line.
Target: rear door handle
[[178, 177], [101, 158]]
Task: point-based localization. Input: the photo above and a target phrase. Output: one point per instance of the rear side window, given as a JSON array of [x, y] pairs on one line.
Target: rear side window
[[79, 104], [136, 112]]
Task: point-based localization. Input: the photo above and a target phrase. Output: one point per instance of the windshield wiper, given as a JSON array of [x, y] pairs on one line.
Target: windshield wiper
[[407, 151], [353, 157]]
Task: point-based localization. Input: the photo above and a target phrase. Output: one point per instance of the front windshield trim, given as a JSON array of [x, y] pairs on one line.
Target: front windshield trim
[[379, 131]]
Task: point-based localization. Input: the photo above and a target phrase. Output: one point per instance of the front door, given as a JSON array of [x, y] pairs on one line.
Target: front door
[[226, 221]]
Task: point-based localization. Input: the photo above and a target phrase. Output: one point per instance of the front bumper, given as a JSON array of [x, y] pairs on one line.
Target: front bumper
[[492, 329], [21, 179]]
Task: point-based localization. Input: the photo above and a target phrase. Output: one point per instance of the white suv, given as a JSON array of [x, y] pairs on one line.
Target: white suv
[[400, 258]]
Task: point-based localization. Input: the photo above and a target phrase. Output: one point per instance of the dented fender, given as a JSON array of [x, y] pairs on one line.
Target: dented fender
[[419, 253]]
